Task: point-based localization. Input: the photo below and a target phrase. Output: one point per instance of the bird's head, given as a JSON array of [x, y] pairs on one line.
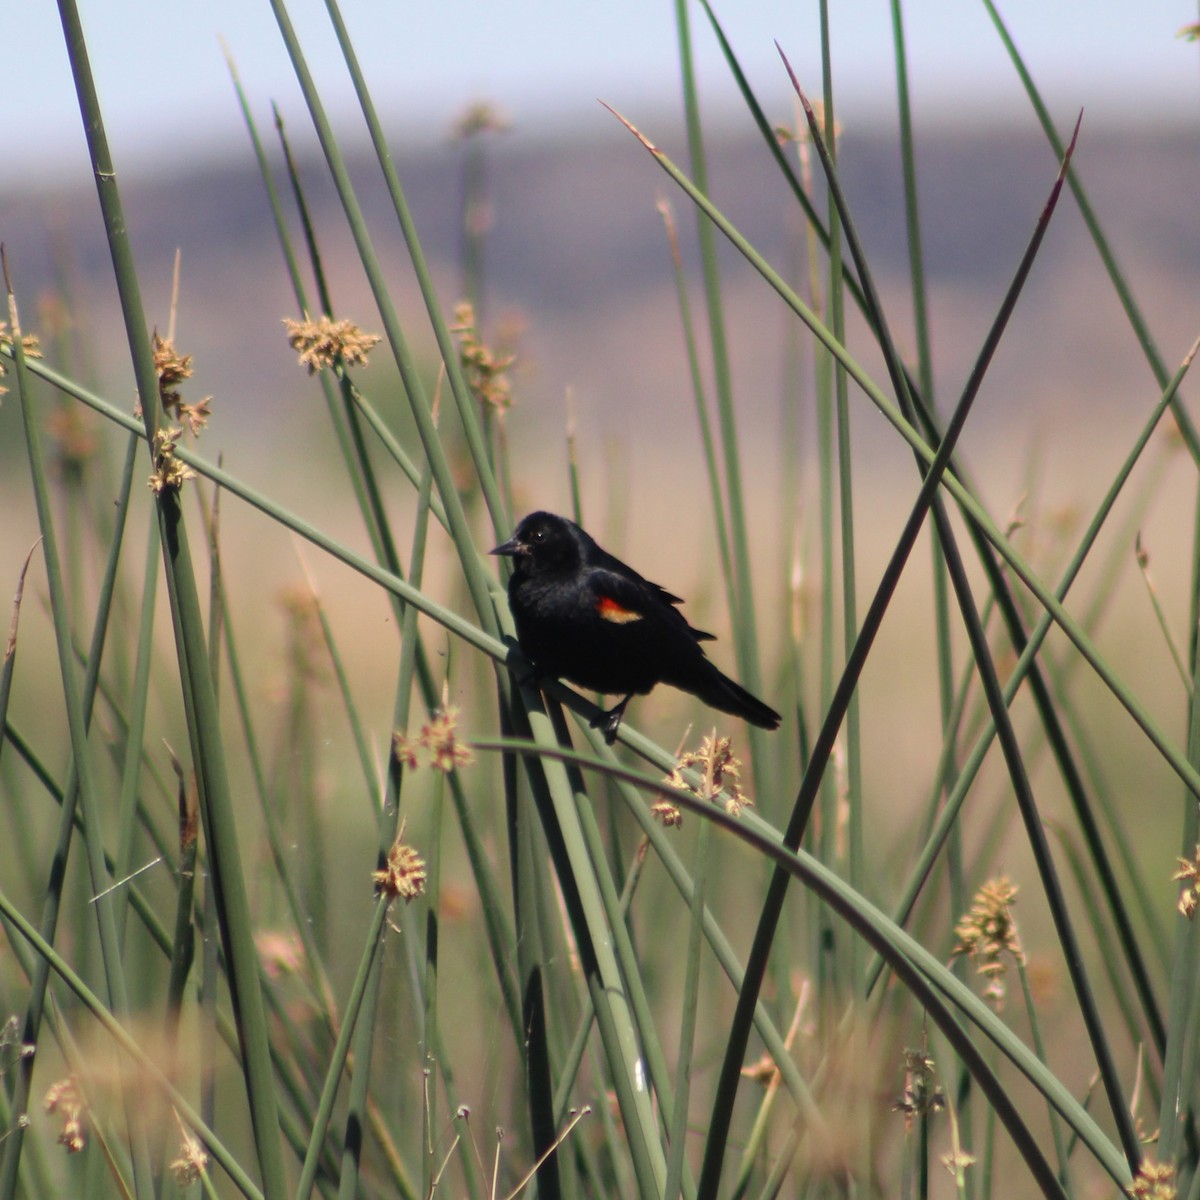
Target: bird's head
[[545, 542]]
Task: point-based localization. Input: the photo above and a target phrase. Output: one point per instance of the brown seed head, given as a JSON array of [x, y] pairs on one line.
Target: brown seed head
[[29, 344], [192, 1159], [922, 1097], [671, 815], [720, 774], [1154, 1181], [988, 931], [440, 737], [329, 343], [404, 874], [169, 471], [172, 368], [65, 1099], [1189, 896], [485, 370]]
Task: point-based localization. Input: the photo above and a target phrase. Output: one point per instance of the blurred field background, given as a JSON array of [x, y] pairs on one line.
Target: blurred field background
[[579, 269], [577, 279]]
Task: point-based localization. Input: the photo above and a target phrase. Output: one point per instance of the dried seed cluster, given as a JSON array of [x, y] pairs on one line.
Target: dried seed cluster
[[988, 932], [169, 471], [486, 370], [922, 1097], [328, 343], [29, 344], [1189, 873], [65, 1099], [404, 874], [1154, 1181], [720, 779], [172, 368], [437, 744]]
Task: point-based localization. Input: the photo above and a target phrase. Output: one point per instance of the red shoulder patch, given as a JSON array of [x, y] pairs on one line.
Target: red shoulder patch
[[618, 614]]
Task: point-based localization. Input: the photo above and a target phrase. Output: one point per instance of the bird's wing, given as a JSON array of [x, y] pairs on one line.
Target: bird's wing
[[670, 598], [623, 597]]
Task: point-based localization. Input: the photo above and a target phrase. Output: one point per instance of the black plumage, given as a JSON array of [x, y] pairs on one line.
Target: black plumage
[[584, 616]]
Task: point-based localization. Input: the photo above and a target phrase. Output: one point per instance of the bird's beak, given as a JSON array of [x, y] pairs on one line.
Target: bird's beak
[[509, 548]]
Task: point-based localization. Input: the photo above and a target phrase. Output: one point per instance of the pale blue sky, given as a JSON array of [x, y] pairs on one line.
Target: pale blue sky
[[167, 97]]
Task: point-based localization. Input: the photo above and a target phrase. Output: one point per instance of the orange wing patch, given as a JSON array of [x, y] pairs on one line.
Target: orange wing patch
[[610, 610]]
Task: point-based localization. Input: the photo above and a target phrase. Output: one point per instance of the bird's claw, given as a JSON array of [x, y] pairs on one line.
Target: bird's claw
[[610, 722]]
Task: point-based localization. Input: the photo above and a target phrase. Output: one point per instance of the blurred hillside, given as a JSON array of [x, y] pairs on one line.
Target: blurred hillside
[[577, 255]]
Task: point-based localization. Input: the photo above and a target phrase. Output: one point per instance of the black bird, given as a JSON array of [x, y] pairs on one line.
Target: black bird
[[583, 615]]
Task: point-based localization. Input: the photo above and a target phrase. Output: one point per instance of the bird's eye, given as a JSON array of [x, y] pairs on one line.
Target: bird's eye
[[538, 535]]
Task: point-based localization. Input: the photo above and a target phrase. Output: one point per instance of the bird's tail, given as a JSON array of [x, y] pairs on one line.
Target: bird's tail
[[720, 692]]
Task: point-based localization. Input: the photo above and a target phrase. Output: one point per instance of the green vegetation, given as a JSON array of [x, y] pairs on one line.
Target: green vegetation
[[311, 939]]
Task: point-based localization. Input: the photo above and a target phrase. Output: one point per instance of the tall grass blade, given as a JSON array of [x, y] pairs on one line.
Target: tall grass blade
[[208, 753], [823, 746], [744, 622], [77, 721], [414, 388]]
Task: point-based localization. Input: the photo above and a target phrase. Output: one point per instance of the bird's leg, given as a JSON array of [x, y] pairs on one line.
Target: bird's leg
[[524, 669], [609, 722]]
